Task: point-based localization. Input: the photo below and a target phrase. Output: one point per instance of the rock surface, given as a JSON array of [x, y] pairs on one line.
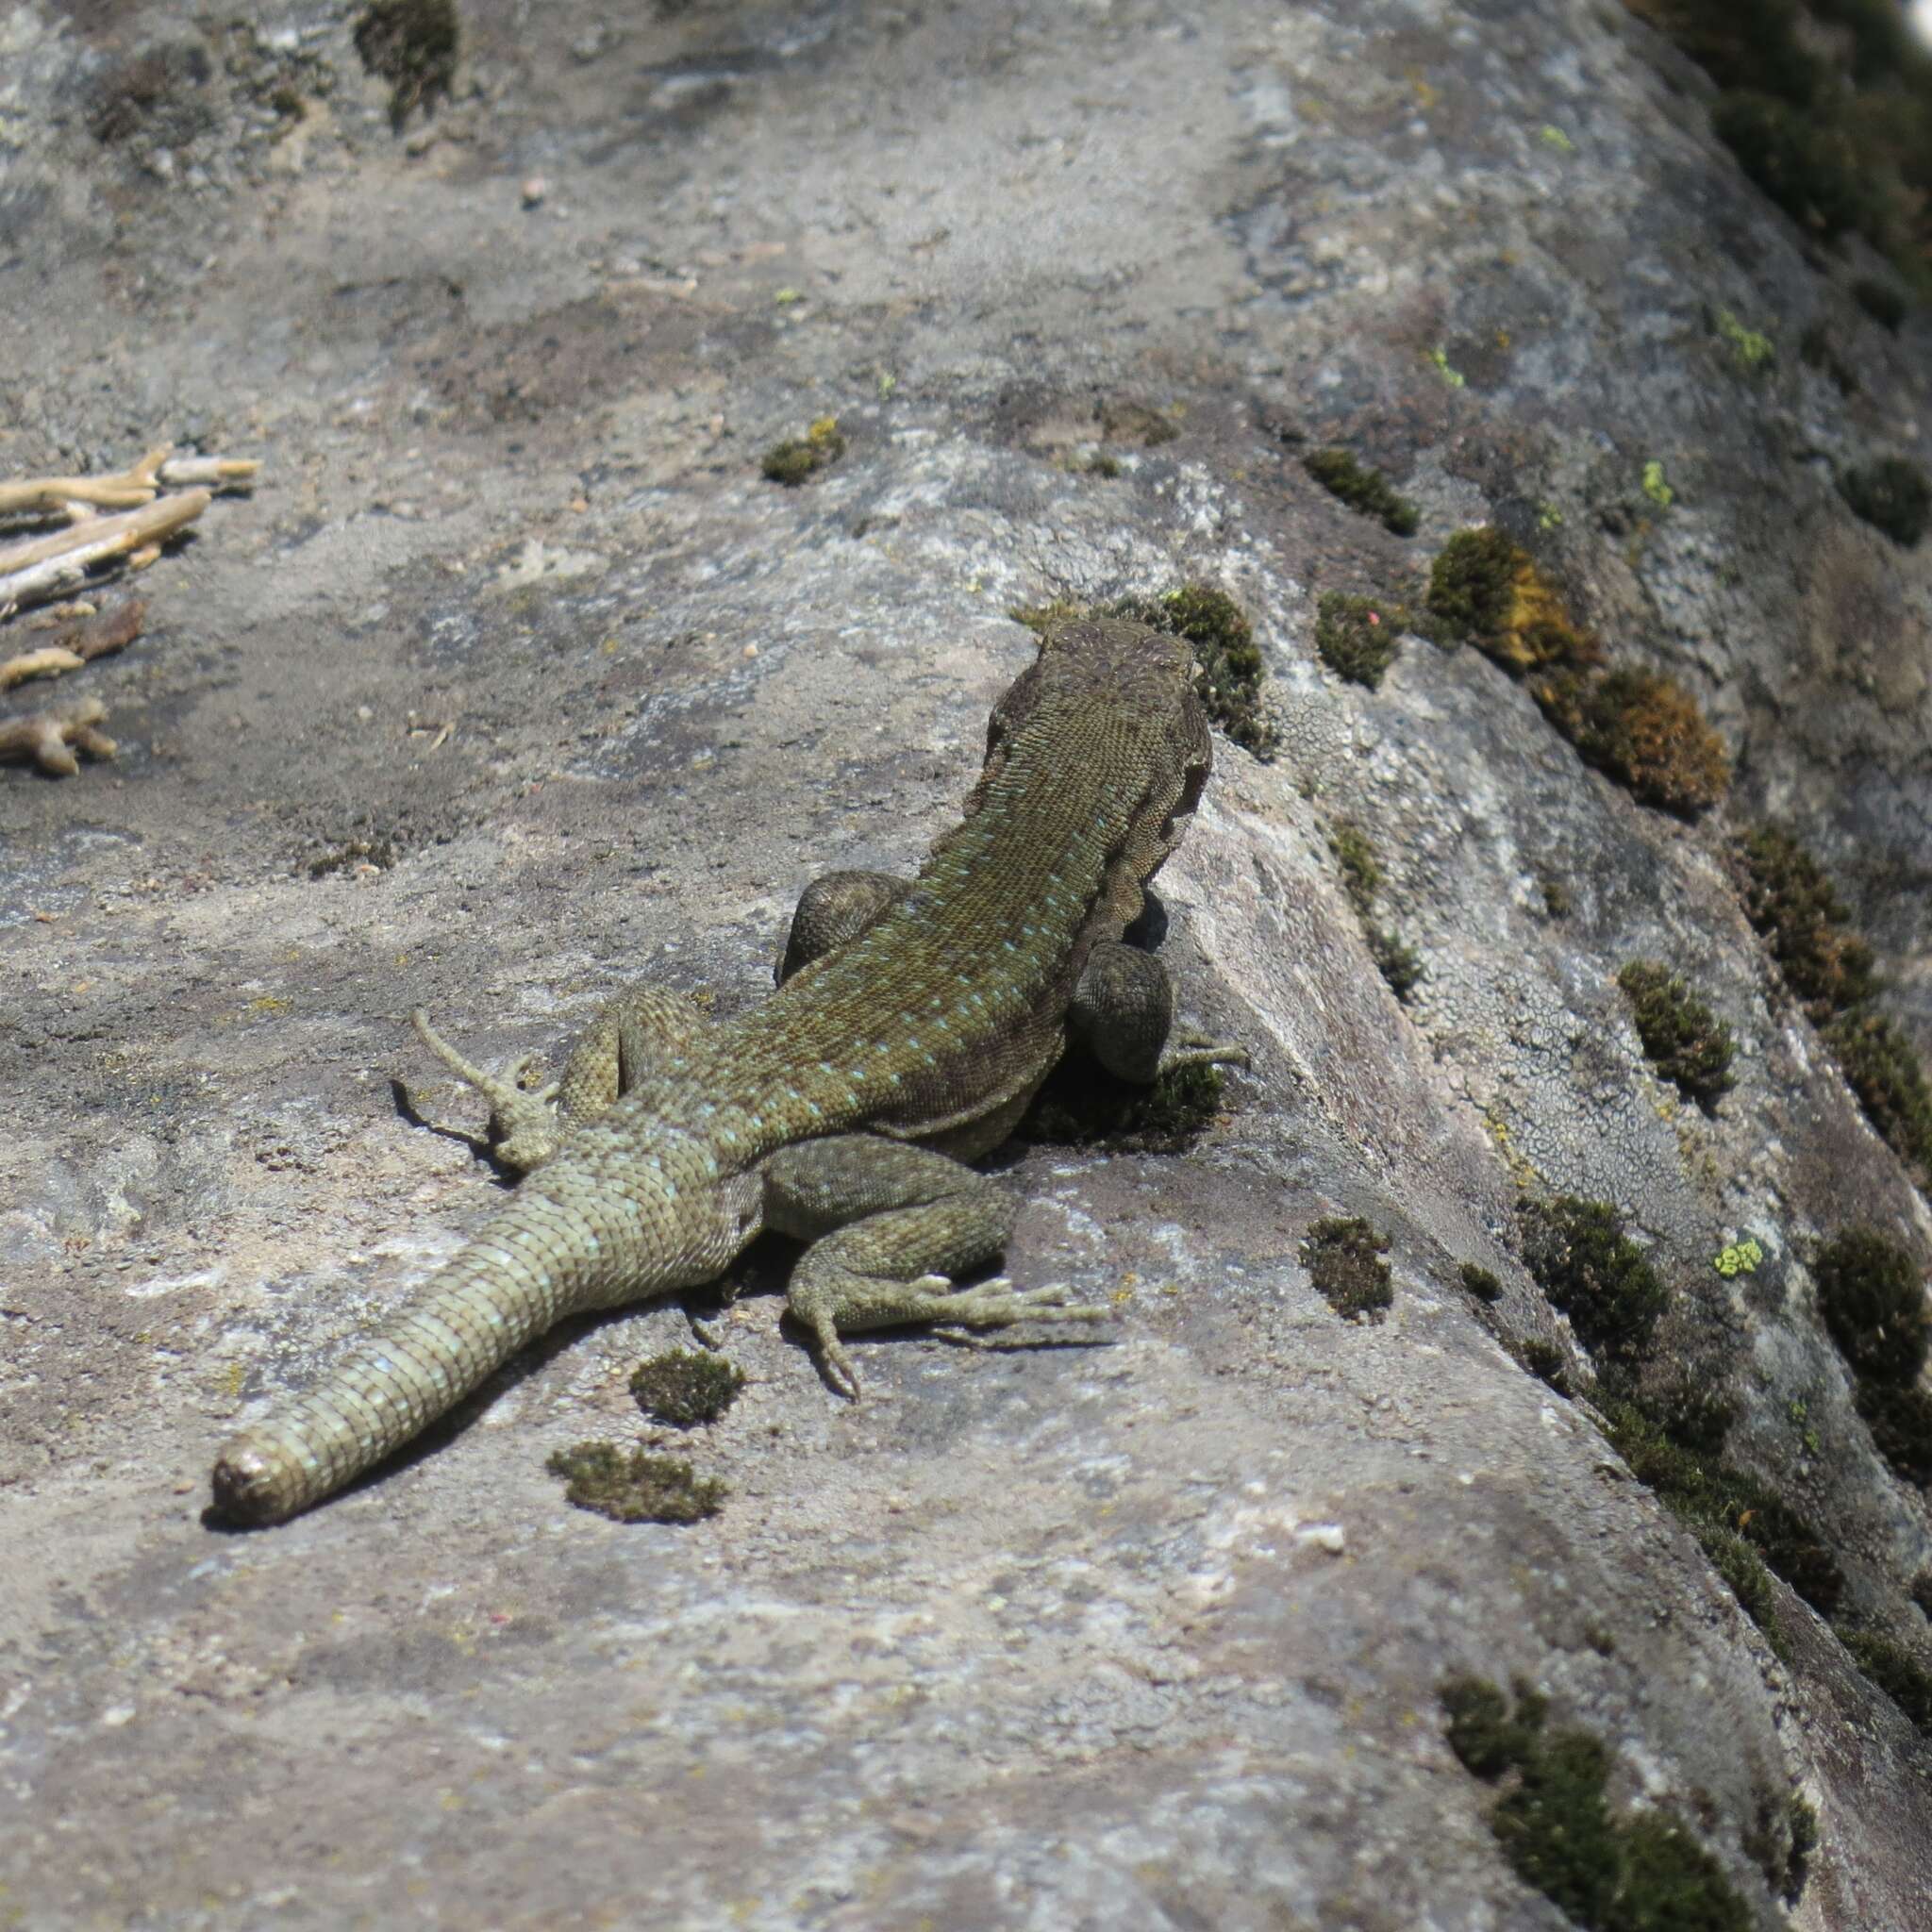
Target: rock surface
[[515, 678]]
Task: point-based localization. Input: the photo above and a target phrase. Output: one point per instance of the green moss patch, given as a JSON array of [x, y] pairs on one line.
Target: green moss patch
[[1644, 730], [1885, 1073], [1480, 1282], [685, 1386], [1361, 867], [1609, 1871], [1354, 852], [411, 44], [1640, 727], [1827, 108], [1682, 1040], [636, 1487], [1595, 1273], [1901, 1425], [1809, 167], [1343, 1258], [1358, 638], [1363, 490], [1082, 1105], [1712, 1495], [796, 462], [1885, 305], [1790, 900], [1483, 587], [1230, 659], [1892, 496], [1123, 420], [1872, 1294], [1895, 1670]]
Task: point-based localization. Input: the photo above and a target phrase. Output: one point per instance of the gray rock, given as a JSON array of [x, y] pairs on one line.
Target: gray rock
[[514, 680]]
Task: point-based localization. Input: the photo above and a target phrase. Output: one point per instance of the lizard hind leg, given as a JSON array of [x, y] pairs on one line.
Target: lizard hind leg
[[834, 910], [1123, 1008], [633, 1035], [889, 1226], [524, 1117]]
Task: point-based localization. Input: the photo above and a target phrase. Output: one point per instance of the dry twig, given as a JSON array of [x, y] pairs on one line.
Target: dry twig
[[126, 488], [77, 646], [46, 736], [46, 565]]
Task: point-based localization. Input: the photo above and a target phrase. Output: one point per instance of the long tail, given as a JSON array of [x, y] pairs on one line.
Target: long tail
[[528, 1269]]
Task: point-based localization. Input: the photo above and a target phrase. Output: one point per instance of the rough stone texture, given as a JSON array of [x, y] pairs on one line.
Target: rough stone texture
[[1145, 1636]]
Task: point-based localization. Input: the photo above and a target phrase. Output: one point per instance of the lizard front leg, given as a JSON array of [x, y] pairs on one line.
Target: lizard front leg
[[890, 1226], [633, 1034], [1122, 1010]]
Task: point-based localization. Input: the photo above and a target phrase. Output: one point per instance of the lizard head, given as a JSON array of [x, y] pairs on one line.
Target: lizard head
[[1141, 682]]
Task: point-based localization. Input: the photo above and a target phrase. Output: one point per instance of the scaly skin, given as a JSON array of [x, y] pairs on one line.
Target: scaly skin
[[924, 1014]]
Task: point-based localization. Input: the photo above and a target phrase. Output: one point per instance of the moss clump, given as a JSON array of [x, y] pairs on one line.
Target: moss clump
[[1892, 496], [1361, 867], [1791, 901], [1896, 1672], [1343, 1258], [1835, 128], [1482, 587], [412, 45], [1681, 1039], [1400, 966], [1361, 879], [1358, 638], [1083, 1105], [1363, 490], [636, 1487], [1885, 304], [1744, 1575], [1871, 1295], [1901, 1425], [1547, 1362], [1815, 348], [1042, 618], [792, 464], [1711, 1495], [1230, 659], [1483, 1731], [1595, 1273], [1812, 168], [1123, 420], [1480, 1282], [1921, 1592], [1883, 1072], [1872, 1298], [1633, 1871], [1781, 1841], [685, 1386], [1642, 729]]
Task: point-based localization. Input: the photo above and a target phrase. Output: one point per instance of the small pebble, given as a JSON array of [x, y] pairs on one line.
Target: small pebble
[[535, 189]]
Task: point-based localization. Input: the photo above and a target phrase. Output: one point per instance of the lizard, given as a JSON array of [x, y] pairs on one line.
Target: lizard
[[911, 1025]]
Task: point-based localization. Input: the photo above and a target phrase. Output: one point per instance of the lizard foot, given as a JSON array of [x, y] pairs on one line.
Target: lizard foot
[[997, 1304], [1197, 1050], [526, 1117]]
